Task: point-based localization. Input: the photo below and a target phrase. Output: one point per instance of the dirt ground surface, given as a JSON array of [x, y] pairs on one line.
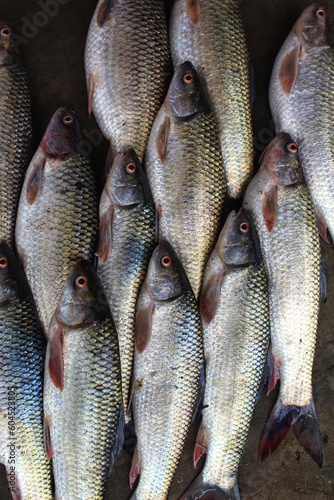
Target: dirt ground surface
[[54, 47]]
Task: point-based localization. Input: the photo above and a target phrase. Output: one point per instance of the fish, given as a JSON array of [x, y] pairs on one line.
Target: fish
[[167, 365], [185, 170], [15, 130], [83, 408], [301, 102], [57, 220], [211, 36], [281, 209], [126, 243], [128, 65], [22, 359], [235, 320]]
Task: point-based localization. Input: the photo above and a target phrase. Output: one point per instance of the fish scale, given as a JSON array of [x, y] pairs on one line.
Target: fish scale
[[163, 406], [58, 229], [15, 143], [294, 296], [166, 373], [235, 344], [290, 314], [188, 186], [216, 46], [235, 321], [86, 407], [124, 273], [83, 409], [21, 368], [307, 114], [126, 243], [128, 59], [282, 211]]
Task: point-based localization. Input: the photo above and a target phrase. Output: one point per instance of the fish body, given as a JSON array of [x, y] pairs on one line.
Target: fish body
[[127, 64], [58, 212], [302, 105], [282, 211], [15, 130], [186, 174], [167, 365], [21, 386], [127, 240], [211, 36], [83, 410], [235, 320]]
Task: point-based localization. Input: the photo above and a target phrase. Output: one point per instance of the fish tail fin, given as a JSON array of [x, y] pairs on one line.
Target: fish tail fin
[[304, 422], [204, 491]]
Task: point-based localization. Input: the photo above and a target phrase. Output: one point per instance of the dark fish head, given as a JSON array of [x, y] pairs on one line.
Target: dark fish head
[[281, 160], [9, 51], [185, 98], [13, 283], [127, 184], [166, 278], [313, 28], [62, 136], [236, 244], [83, 301]]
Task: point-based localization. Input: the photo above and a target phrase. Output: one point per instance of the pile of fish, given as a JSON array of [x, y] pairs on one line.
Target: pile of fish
[[156, 304]]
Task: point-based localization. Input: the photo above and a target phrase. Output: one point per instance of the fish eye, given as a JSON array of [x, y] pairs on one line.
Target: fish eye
[[292, 147], [68, 119], [188, 78], [3, 262], [131, 168], [166, 261], [321, 14], [244, 227], [5, 32], [81, 281]]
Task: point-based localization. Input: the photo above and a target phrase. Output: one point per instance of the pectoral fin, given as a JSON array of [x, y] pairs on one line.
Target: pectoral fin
[[104, 12], [105, 233], [193, 10], [56, 357], [162, 139], [90, 89], [289, 69], [143, 326], [211, 296], [35, 182], [269, 208]]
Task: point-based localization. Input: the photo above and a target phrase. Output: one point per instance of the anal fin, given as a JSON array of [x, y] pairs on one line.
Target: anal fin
[[135, 468]]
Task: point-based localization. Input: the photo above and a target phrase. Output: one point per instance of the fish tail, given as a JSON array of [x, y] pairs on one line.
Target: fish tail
[[204, 491], [303, 420]]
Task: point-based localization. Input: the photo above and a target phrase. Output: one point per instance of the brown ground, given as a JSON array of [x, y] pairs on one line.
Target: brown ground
[[54, 57]]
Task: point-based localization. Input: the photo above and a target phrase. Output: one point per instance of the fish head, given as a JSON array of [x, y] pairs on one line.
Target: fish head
[[62, 136], [281, 160], [9, 51], [83, 300], [236, 243], [13, 285], [166, 279], [127, 184], [185, 98], [313, 28]]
